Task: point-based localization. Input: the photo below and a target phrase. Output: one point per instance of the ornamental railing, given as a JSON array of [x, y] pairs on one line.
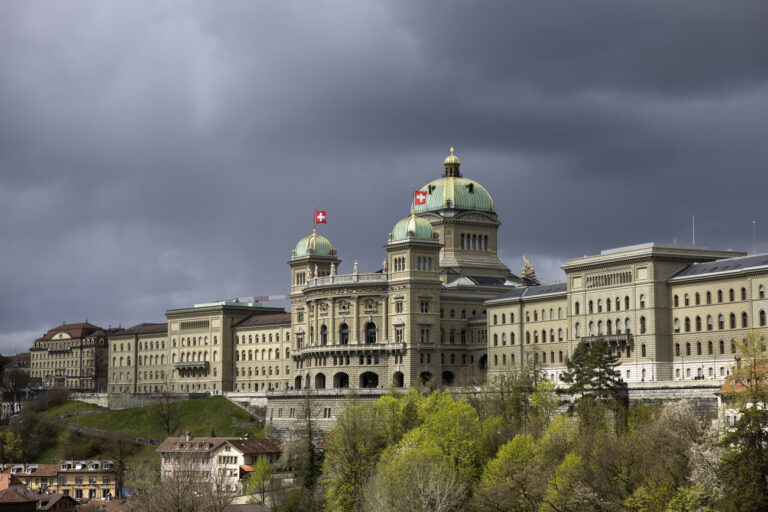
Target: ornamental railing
[[347, 279]]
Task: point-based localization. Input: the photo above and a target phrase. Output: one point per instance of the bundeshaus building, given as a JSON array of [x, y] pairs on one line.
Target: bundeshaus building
[[442, 310]]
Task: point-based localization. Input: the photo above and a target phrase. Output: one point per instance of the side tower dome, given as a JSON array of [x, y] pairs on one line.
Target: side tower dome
[[314, 245], [412, 227]]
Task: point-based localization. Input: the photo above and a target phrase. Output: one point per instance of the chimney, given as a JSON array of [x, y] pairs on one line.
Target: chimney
[[188, 436]]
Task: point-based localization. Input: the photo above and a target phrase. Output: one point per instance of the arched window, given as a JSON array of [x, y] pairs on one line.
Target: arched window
[[626, 302], [744, 319], [599, 305], [731, 295], [495, 320], [575, 308], [535, 336], [577, 330], [591, 307], [628, 326], [709, 297], [698, 323], [697, 298], [323, 335], [762, 318], [687, 349], [344, 334], [719, 295], [743, 294], [642, 325], [687, 324], [676, 325], [677, 349], [710, 348], [687, 299], [528, 337], [618, 304], [710, 323], [535, 316], [511, 338], [642, 350], [642, 301], [698, 348], [452, 336], [591, 328], [722, 347], [503, 318], [503, 339], [370, 333], [560, 356], [720, 322], [761, 291], [551, 335], [733, 321], [495, 340], [560, 334]]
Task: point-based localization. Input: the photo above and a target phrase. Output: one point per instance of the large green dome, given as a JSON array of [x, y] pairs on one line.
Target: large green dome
[[453, 191], [414, 227], [313, 245]]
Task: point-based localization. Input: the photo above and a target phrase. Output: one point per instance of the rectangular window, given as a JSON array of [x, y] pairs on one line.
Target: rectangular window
[[424, 307], [398, 334]]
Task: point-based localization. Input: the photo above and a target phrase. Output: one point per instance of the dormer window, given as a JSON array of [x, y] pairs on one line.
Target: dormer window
[[471, 188]]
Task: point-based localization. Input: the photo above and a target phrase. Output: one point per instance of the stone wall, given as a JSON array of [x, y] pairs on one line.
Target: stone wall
[[100, 399]]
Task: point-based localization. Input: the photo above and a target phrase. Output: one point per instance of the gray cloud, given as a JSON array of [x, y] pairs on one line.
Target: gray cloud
[[154, 155]]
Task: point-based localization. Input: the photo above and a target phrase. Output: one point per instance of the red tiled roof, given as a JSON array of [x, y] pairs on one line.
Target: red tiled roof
[[740, 380], [11, 496], [80, 330]]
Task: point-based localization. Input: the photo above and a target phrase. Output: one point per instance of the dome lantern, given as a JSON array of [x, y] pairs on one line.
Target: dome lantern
[[412, 227], [314, 245], [452, 164]]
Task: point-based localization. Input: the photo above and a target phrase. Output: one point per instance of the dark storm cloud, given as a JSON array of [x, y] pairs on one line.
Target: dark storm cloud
[[158, 154]]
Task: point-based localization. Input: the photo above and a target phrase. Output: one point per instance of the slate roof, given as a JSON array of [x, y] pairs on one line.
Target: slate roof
[[488, 280], [530, 292], [726, 266], [144, 328], [257, 445], [262, 319]]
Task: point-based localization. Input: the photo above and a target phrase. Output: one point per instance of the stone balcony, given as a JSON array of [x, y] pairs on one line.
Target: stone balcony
[[355, 347], [193, 365], [609, 338], [346, 279]]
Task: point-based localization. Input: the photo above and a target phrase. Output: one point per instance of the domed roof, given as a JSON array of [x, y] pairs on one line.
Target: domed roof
[[414, 227], [454, 191], [451, 159], [314, 245]]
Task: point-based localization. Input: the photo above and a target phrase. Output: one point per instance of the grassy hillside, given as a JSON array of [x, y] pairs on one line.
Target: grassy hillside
[[70, 407], [201, 416]]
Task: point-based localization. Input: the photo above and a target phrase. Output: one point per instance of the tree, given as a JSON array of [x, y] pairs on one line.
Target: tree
[[744, 467], [591, 371], [182, 491], [352, 450], [260, 480], [413, 479], [15, 382], [751, 354]]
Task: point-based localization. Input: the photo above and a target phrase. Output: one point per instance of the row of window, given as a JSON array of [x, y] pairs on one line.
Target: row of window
[[264, 338], [607, 305], [473, 242], [452, 313], [720, 322], [254, 371], [266, 355], [596, 328], [552, 337], [708, 296], [710, 348]]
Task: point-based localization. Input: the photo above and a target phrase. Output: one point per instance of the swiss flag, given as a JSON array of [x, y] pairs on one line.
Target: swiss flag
[[419, 197], [320, 217]]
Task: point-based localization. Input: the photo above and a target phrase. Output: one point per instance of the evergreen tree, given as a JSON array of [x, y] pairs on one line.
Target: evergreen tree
[[592, 371], [744, 468]]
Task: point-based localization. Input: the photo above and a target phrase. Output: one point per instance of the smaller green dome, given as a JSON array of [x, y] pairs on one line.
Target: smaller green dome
[[451, 159], [314, 245], [414, 227]]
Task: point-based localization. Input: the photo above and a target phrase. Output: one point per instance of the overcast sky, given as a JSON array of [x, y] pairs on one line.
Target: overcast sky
[[158, 154]]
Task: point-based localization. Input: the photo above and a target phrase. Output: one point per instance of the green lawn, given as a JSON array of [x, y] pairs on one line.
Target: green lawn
[[200, 416], [70, 407]]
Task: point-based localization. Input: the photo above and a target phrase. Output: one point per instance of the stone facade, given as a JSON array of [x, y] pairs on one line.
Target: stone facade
[[72, 356]]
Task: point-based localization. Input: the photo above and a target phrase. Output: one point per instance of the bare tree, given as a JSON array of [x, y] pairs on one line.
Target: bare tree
[[168, 407], [189, 488]]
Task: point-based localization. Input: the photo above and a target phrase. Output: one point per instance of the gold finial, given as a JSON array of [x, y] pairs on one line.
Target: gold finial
[[451, 150], [413, 212], [314, 231]]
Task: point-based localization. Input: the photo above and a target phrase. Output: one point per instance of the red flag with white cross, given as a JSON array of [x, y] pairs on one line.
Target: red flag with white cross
[[320, 217], [419, 197]]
